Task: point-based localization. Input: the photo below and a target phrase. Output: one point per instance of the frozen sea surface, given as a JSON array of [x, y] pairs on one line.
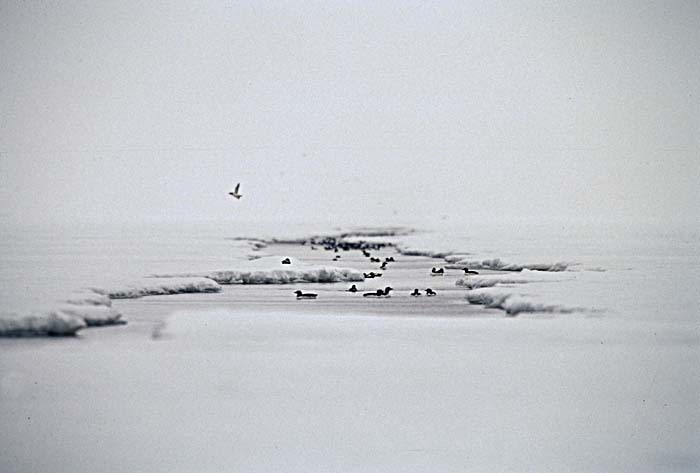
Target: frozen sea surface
[[249, 379]]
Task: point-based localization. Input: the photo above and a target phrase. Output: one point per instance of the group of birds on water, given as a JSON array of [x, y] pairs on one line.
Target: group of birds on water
[[330, 244]]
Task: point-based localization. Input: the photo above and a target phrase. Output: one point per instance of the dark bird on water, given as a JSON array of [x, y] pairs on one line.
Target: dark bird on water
[[353, 288], [235, 192], [437, 272], [307, 295], [429, 292], [415, 292], [379, 292], [466, 271], [286, 261]]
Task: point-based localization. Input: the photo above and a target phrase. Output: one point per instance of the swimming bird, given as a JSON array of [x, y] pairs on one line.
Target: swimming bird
[[429, 292], [437, 272], [308, 295], [286, 261], [379, 292], [366, 253], [466, 271], [235, 192], [353, 288], [374, 260], [415, 292], [383, 266]]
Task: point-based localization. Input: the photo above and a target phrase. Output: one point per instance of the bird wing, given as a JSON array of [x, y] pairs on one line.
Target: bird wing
[[238, 186]]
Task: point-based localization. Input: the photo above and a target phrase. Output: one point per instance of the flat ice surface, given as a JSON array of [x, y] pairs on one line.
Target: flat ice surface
[[270, 391]]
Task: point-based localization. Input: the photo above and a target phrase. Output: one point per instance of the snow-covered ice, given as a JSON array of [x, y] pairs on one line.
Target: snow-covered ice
[[497, 264], [514, 304], [415, 389], [157, 286], [57, 322], [270, 270]]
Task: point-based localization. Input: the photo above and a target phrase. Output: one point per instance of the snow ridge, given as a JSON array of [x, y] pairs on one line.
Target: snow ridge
[[157, 286], [496, 264], [514, 304], [270, 270]]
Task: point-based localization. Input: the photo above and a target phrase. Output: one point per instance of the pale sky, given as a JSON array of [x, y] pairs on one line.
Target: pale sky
[[348, 111]]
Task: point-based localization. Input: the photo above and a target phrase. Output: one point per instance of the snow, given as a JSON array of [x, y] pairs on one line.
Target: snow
[[418, 390], [93, 315], [156, 286], [270, 270], [81, 309], [93, 307], [431, 253], [514, 304], [499, 265], [423, 393], [493, 291], [476, 282], [40, 324], [89, 297]]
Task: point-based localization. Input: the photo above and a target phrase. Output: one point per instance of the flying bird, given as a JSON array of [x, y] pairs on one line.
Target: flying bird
[[235, 192]]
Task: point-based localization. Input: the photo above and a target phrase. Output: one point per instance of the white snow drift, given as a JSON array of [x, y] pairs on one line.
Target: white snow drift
[[412, 251], [93, 307], [270, 270], [35, 324], [476, 282], [497, 264], [158, 286], [513, 304]]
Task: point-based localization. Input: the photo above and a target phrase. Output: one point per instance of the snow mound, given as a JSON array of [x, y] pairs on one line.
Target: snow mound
[[514, 304], [411, 251], [81, 309], [476, 282], [39, 324], [457, 257], [157, 286], [89, 298], [270, 270], [93, 315], [497, 264]]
